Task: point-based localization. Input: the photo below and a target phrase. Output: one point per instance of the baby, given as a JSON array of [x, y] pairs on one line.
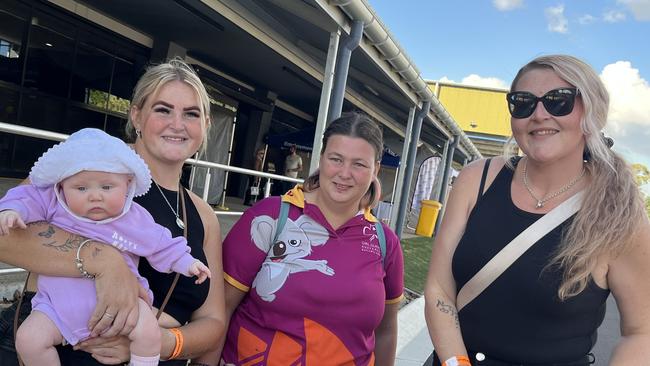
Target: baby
[[86, 186]]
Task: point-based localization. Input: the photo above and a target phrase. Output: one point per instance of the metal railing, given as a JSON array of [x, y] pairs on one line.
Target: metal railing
[[55, 136]]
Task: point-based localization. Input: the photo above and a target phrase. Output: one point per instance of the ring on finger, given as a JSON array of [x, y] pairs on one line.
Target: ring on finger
[[110, 316]]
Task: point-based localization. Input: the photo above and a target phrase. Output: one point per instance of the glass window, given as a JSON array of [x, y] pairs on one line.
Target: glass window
[[115, 126], [43, 112], [12, 28], [79, 116], [8, 105], [8, 114], [51, 47]]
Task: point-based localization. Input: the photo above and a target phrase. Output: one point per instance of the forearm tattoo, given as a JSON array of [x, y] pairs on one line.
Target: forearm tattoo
[[71, 243], [448, 309]]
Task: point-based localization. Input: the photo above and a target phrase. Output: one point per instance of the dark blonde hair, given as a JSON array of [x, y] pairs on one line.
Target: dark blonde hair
[[612, 209], [359, 125]]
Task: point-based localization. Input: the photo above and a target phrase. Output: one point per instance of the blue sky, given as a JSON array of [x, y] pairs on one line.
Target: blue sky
[[484, 42]]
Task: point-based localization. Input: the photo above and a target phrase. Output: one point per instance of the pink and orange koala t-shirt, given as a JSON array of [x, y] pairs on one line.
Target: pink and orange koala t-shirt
[[315, 295]]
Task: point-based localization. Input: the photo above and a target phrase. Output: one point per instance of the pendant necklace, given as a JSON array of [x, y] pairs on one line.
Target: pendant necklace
[[179, 222], [542, 201]]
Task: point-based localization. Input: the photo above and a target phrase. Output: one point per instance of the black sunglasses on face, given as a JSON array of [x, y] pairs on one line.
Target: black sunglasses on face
[[558, 102]]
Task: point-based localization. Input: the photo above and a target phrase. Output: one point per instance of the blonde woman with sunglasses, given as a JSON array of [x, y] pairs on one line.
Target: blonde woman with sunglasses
[[546, 307]]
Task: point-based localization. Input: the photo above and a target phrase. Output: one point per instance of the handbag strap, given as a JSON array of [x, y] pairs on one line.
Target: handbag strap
[[481, 187], [181, 198], [518, 246]]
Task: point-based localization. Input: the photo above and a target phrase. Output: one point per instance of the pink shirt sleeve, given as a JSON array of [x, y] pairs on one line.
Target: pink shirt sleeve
[[31, 203], [242, 259]]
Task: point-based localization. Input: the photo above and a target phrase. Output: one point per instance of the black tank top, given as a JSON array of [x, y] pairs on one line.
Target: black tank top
[[187, 296], [519, 318]]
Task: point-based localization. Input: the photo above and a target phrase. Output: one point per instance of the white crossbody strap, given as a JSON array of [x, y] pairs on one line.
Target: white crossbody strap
[[518, 246]]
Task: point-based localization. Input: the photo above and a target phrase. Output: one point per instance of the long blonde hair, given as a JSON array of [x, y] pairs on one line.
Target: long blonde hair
[[155, 78], [613, 208]]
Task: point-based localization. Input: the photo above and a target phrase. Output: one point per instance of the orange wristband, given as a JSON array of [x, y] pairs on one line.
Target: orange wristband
[[178, 347], [457, 361]]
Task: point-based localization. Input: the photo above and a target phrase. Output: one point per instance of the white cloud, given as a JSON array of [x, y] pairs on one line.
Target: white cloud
[[613, 16], [557, 22], [639, 8], [506, 5], [476, 80], [629, 110], [488, 82], [586, 19]]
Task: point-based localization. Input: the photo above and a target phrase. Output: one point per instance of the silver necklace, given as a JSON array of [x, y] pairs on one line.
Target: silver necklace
[[179, 222], [541, 202]]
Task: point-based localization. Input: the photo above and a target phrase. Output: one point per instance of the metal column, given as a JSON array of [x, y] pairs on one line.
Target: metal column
[[342, 67], [410, 162], [440, 172], [397, 198], [325, 95], [445, 178]]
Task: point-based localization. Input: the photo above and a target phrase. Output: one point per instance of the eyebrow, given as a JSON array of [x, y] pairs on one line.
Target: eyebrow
[[168, 105], [338, 155]]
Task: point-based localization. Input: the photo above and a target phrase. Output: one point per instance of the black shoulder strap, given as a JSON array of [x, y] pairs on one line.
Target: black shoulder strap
[[486, 167]]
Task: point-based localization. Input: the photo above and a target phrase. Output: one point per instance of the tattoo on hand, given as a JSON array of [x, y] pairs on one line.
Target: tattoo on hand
[[448, 309]]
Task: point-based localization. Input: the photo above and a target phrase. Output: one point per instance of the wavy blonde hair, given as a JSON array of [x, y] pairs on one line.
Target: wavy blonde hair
[[354, 124], [155, 77], [613, 208]]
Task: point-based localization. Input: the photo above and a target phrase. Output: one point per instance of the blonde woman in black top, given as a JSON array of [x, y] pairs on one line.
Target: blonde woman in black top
[[545, 308], [168, 122]]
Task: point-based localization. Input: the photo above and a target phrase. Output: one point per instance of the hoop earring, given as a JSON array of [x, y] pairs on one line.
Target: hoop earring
[[138, 133]]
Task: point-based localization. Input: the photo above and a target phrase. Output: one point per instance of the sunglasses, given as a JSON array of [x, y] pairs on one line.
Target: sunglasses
[[558, 102]]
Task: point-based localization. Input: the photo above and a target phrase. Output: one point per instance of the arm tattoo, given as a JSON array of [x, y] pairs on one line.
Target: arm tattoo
[[448, 309], [96, 252], [70, 244]]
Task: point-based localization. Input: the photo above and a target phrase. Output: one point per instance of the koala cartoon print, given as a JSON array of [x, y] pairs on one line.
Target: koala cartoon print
[[286, 255]]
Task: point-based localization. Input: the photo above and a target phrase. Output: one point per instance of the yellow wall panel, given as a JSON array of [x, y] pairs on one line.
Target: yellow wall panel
[[476, 109]]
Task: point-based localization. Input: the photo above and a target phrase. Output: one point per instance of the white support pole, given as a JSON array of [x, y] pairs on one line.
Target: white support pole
[[206, 184], [222, 206], [401, 170], [325, 94]]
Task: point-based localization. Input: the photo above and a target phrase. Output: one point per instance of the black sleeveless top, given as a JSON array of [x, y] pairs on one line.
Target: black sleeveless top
[[519, 317], [187, 296]]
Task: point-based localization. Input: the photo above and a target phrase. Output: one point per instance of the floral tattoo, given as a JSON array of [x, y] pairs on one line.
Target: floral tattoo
[[70, 244]]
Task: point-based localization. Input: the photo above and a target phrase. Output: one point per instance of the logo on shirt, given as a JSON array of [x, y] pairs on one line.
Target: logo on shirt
[[370, 242], [122, 243], [286, 254]]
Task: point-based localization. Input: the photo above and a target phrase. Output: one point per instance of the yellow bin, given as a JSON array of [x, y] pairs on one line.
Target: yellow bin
[[428, 216]]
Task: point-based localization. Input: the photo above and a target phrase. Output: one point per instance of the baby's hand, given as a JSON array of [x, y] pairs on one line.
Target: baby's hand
[[10, 219], [200, 270]]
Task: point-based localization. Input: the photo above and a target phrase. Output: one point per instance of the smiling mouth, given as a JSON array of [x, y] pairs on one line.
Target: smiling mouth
[[174, 139], [543, 132], [278, 259]]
